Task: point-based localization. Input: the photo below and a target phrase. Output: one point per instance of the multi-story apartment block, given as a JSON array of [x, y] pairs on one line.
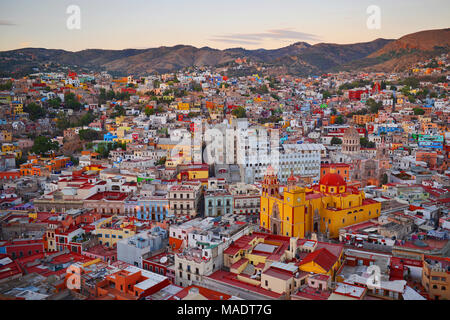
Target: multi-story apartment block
[[184, 200], [246, 199], [436, 277]]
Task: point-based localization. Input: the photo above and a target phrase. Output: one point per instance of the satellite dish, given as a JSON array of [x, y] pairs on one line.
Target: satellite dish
[[163, 260]]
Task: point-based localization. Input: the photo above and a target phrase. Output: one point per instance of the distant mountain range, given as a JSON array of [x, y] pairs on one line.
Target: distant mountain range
[[298, 59]]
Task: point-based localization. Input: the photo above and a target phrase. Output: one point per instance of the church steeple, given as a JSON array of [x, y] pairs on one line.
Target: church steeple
[[292, 181], [271, 185]]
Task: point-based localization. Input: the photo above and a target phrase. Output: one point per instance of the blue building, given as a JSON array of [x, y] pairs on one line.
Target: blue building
[[388, 130], [218, 203], [109, 137], [148, 209]]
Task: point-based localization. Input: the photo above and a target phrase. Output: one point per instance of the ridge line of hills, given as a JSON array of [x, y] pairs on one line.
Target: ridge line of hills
[[300, 58]]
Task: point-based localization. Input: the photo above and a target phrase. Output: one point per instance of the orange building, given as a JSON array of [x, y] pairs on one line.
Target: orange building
[[429, 157], [9, 175], [436, 277], [40, 167], [362, 119], [131, 283], [341, 169]]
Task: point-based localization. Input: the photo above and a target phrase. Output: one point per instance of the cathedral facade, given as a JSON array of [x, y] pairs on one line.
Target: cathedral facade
[[323, 209]]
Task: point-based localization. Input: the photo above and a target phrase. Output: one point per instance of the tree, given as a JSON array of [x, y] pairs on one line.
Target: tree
[[89, 135], [384, 179], [35, 111], [326, 95], [374, 106], [43, 145], [161, 161], [335, 140], [411, 82], [149, 111], [54, 103], [275, 96], [118, 111], [411, 98], [419, 112], [339, 120], [239, 112], [62, 123], [105, 147], [365, 143], [75, 160], [71, 102], [6, 86], [86, 119]]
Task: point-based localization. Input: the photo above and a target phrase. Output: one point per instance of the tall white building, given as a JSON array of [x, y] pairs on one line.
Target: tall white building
[[301, 160]]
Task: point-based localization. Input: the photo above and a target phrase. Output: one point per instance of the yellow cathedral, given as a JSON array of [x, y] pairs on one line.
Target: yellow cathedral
[[324, 208]]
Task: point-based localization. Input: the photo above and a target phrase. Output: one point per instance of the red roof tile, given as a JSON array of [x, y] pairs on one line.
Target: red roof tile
[[322, 257]]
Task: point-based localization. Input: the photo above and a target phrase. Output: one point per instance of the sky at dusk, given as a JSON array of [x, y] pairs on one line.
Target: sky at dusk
[[251, 24]]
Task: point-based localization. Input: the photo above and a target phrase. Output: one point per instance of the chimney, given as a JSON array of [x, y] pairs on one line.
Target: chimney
[[293, 245]]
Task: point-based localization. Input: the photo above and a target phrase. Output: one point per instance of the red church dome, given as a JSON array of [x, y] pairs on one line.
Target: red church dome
[[332, 180]]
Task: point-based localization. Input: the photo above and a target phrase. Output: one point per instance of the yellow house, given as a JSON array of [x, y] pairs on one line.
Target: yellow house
[[200, 172], [121, 131], [173, 163], [325, 208], [123, 140], [8, 147], [6, 135], [183, 106], [17, 107], [120, 119], [110, 231], [177, 152], [322, 261]]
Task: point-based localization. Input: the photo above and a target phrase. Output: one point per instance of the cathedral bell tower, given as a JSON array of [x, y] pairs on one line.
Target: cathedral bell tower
[[271, 186]]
